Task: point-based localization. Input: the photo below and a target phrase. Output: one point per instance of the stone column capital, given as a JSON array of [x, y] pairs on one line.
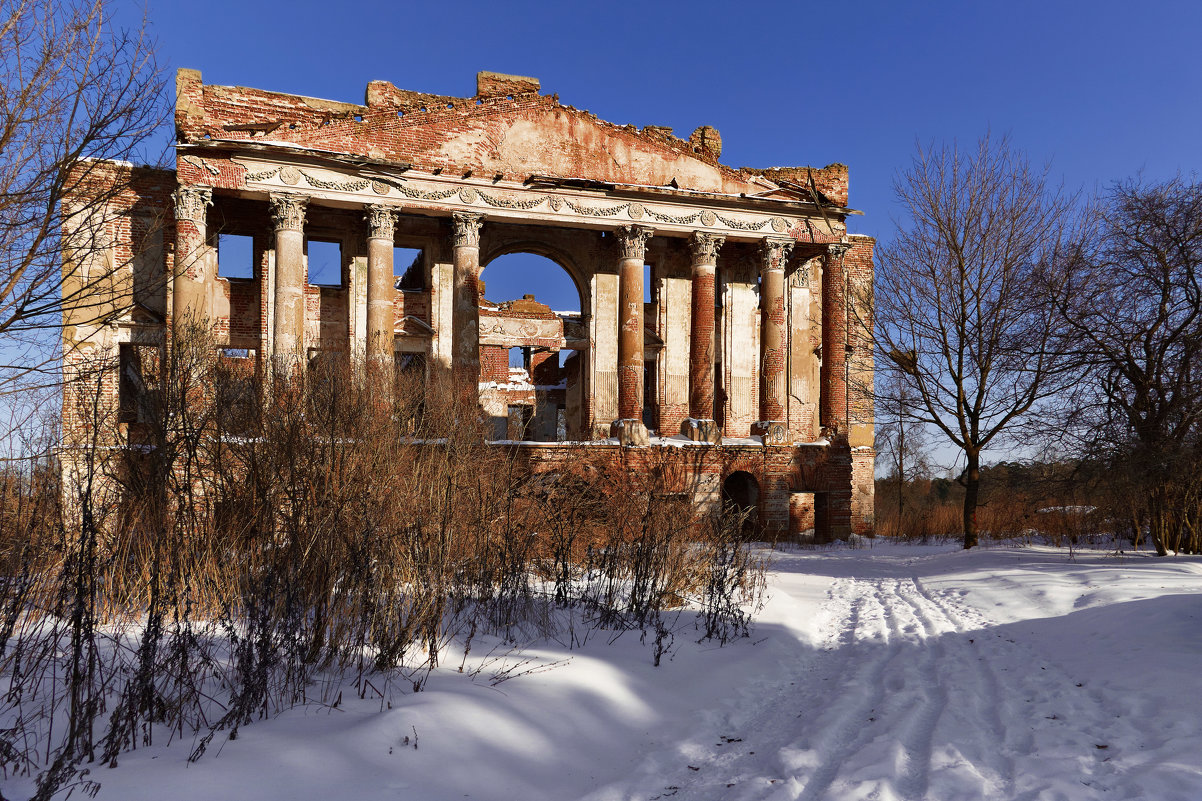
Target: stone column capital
[[632, 240], [837, 250], [191, 202], [288, 211], [466, 229], [774, 252], [705, 247], [381, 221]]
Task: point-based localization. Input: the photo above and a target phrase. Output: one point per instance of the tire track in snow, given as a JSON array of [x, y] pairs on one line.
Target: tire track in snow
[[859, 718], [918, 738], [966, 675]]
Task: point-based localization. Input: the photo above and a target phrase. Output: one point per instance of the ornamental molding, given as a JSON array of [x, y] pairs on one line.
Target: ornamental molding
[[705, 247], [632, 240], [191, 202], [466, 229], [774, 252], [288, 211], [375, 187], [381, 221]]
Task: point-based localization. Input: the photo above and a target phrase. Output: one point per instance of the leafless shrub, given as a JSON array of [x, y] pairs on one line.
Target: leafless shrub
[[262, 538]]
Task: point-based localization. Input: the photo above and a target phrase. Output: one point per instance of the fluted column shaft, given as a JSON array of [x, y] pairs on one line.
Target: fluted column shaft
[[381, 318], [632, 244], [190, 288], [773, 255], [288, 326], [701, 324]]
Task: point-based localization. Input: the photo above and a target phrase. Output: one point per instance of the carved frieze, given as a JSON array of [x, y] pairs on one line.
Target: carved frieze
[[705, 247], [632, 240], [191, 202], [466, 229], [518, 331], [511, 200], [381, 221], [288, 211]]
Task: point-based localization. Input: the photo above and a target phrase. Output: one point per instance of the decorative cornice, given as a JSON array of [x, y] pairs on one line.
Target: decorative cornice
[[516, 200], [381, 221], [632, 240], [191, 202], [288, 211], [705, 247], [466, 229], [774, 252]]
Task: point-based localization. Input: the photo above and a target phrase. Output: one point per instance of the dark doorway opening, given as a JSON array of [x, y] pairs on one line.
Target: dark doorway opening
[[741, 492]]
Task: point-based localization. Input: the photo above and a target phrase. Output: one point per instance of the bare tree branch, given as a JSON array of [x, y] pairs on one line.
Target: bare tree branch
[[956, 293], [76, 95]]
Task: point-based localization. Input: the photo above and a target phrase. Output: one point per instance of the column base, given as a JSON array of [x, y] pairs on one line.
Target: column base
[[772, 432], [701, 430], [629, 432]]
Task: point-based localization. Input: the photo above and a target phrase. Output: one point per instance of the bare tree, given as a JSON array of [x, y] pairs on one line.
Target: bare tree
[[1132, 318], [75, 95], [957, 309]]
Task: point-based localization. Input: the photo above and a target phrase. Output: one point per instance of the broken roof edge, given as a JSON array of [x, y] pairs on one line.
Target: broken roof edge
[[338, 157], [829, 190]]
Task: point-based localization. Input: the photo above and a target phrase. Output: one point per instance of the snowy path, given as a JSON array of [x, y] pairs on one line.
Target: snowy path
[[914, 694], [891, 673]]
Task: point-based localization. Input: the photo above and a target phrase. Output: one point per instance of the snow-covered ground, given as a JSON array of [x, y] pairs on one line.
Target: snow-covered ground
[[892, 672]]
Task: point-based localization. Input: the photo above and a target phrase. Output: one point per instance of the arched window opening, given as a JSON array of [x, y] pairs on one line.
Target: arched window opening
[[528, 374], [741, 493]]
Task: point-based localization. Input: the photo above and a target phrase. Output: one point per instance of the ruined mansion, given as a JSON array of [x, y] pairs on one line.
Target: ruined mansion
[[720, 313]]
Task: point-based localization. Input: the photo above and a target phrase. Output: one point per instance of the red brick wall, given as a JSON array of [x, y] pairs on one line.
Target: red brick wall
[[494, 364]]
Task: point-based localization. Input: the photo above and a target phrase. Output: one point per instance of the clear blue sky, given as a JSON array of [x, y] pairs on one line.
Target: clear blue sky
[[1102, 89]]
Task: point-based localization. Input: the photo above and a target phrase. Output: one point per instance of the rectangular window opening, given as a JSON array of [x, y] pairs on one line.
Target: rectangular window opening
[[409, 269], [325, 262], [648, 289], [519, 421], [235, 256], [131, 385]]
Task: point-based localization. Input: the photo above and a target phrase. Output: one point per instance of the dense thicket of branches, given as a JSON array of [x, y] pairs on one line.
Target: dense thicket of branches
[[258, 546], [73, 90], [1130, 314], [956, 302]]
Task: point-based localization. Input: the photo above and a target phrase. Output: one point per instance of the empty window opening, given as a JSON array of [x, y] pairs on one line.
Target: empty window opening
[[648, 287], [650, 395], [519, 357], [519, 420], [325, 262], [131, 385], [513, 276], [409, 268], [235, 256], [237, 353]]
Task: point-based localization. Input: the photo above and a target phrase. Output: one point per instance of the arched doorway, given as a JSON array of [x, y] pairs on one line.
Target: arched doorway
[[531, 373], [741, 492]]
